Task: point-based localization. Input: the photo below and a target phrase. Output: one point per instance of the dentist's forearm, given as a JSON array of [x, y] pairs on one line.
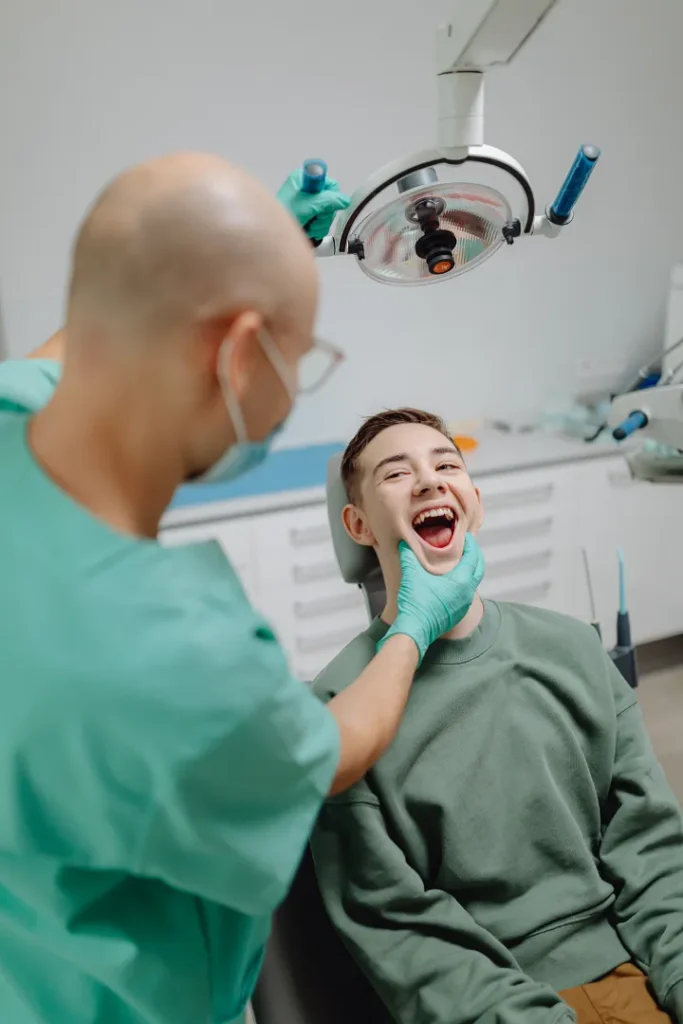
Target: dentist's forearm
[[369, 712]]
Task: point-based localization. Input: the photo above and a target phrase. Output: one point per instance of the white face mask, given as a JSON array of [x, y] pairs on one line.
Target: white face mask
[[245, 454]]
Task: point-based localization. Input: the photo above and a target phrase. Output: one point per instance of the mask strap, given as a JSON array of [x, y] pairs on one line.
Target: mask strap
[[231, 403], [282, 369], [279, 364]]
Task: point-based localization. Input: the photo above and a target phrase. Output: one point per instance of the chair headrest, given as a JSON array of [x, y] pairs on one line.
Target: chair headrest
[[356, 562]]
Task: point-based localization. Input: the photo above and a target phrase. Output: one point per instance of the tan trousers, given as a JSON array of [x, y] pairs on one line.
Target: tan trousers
[[621, 997]]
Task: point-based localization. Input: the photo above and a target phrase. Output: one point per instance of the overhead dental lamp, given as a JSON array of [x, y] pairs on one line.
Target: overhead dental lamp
[[437, 213]]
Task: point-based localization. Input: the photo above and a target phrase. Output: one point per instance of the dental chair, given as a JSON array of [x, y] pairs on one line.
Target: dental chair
[[308, 977]]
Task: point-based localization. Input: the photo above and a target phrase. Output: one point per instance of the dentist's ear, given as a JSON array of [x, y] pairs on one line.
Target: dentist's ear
[[232, 348], [356, 527]]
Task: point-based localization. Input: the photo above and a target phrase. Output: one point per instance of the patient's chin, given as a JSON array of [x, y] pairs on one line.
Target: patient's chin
[[441, 564], [435, 560]]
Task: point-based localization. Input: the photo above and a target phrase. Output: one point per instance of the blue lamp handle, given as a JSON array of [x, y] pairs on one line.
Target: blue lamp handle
[[561, 210], [314, 176]]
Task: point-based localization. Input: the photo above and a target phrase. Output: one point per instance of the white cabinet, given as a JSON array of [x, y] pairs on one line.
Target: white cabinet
[[314, 611], [528, 538], [646, 521]]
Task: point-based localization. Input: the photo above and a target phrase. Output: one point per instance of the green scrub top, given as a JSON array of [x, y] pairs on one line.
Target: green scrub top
[[160, 770]]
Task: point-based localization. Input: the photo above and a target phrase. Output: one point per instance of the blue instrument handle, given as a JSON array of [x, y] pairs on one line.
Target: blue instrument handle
[[636, 421], [561, 210], [314, 176]]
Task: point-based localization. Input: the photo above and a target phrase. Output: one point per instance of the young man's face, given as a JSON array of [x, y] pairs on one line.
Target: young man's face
[[414, 487]]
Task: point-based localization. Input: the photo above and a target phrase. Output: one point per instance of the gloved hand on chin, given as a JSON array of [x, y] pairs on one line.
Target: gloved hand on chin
[[428, 605], [315, 212]]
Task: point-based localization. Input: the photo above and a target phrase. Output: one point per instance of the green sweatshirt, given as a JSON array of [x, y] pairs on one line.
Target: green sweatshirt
[[517, 839]]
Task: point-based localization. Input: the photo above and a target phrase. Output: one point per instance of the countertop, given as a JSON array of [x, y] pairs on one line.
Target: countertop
[[293, 477]]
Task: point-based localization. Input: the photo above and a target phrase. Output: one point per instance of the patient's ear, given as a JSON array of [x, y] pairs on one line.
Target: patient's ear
[[478, 514], [356, 526]]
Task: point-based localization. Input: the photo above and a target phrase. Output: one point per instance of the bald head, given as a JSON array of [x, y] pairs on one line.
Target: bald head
[[184, 239]]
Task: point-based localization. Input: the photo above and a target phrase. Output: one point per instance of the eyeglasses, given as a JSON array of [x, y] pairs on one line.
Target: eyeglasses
[[312, 370], [317, 366]]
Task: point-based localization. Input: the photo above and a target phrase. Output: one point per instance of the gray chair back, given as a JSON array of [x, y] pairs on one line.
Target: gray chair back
[[357, 564]]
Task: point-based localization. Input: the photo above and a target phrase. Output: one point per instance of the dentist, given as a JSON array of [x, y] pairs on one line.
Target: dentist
[[160, 770]]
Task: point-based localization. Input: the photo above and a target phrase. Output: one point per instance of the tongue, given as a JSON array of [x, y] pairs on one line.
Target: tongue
[[436, 536]]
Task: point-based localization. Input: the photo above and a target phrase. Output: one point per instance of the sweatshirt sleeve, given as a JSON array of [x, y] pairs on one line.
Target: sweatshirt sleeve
[[642, 854], [424, 954]]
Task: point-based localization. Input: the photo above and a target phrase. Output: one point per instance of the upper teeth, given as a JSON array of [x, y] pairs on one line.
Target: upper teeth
[[432, 512]]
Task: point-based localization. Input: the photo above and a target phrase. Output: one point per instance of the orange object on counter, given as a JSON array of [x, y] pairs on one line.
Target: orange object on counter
[[465, 443]]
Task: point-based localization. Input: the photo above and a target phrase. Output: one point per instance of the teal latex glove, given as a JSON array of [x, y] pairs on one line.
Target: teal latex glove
[[315, 212], [428, 605]]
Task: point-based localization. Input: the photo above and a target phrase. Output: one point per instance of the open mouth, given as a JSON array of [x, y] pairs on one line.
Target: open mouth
[[435, 526]]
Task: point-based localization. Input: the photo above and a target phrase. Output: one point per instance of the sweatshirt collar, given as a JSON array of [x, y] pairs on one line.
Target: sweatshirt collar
[[455, 652]]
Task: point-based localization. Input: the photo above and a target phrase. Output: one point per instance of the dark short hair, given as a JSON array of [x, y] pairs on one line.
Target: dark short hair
[[369, 430]]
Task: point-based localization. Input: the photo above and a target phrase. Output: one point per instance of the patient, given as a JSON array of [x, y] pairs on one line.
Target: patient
[[517, 856]]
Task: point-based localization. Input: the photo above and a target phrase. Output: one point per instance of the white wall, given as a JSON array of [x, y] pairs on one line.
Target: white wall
[[88, 86]]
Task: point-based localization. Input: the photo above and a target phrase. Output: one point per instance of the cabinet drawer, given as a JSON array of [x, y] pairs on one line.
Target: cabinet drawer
[[506, 496], [315, 571], [318, 625], [295, 548], [349, 599], [529, 538], [521, 509], [316, 534], [518, 565], [303, 527], [537, 528], [234, 536]]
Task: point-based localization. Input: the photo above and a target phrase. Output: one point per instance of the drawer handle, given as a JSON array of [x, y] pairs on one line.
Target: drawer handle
[[299, 538], [520, 531], [315, 573], [521, 563], [341, 603], [525, 595], [312, 644], [515, 499]]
